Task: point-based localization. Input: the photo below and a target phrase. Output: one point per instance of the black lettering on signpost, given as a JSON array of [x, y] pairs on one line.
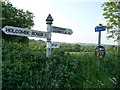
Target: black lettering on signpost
[[17, 31], [39, 34], [26, 32], [6, 30], [33, 33], [69, 33], [9, 30]]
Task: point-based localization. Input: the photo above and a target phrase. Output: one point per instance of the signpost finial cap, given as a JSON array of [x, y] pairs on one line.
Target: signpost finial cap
[[100, 24], [49, 19]]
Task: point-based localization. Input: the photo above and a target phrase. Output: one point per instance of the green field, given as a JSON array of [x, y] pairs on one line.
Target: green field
[[25, 68]]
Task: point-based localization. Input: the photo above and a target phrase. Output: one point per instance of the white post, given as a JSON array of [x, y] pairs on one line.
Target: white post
[[49, 21], [48, 45]]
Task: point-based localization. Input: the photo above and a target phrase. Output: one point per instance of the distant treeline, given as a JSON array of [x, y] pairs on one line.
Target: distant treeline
[[41, 46]]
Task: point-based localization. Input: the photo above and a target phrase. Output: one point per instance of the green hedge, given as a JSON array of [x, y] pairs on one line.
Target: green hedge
[[25, 68], [21, 66]]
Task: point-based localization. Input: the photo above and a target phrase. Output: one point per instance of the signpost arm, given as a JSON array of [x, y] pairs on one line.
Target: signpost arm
[[49, 21]]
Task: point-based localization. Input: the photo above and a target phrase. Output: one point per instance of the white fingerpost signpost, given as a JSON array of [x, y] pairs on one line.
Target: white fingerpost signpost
[[10, 30]]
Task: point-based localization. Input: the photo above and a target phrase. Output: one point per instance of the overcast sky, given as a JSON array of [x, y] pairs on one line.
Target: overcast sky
[[82, 16]]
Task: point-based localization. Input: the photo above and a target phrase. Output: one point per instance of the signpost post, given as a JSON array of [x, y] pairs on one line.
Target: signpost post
[[100, 50], [49, 21]]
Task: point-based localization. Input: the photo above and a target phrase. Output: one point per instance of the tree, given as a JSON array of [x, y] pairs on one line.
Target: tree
[[12, 16], [77, 47], [112, 15]]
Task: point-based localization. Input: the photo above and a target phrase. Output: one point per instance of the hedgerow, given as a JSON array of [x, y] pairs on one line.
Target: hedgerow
[[23, 67]]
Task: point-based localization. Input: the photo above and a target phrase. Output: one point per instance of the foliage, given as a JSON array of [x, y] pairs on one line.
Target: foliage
[[25, 68], [77, 48], [37, 45], [21, 66], [16, 17], [112, 15], [12, 16]]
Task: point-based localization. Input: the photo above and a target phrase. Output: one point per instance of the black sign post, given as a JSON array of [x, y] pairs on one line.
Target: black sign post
[[99, 38], [100, 50]]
